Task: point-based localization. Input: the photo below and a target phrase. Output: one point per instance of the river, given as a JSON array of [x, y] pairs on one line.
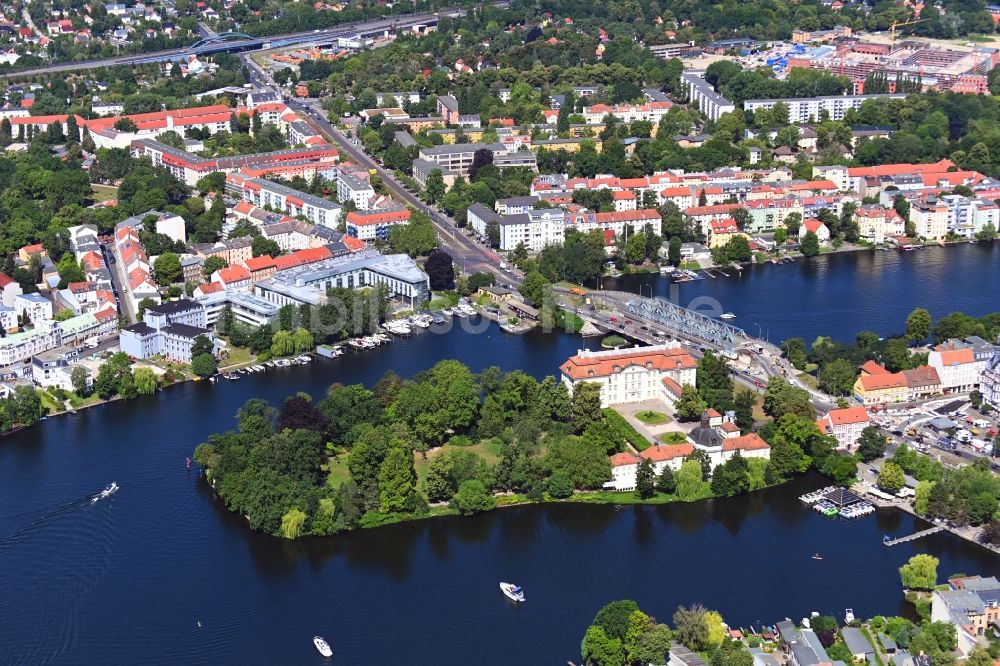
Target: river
[[839, 294], [127, 580]]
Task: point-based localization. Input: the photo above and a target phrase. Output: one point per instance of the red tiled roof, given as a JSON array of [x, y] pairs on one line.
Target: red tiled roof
[[751, 442], [353, 244], [873, 368], [210, 288], [881, 382], [957, 356], [672, 386], [5, 280], [661, 452], [233, 274], [897, 169], [624, 458], [812, 224], [847, 416], [582, 367], [260, 263], [302, 257], [363, 218]]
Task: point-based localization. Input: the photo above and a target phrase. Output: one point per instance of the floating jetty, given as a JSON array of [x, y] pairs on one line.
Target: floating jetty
[[886, 541], [834, 501], [816, 495]]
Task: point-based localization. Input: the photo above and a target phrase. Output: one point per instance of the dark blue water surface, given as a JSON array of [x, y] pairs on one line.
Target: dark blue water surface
[[840, 294], [126, 581]]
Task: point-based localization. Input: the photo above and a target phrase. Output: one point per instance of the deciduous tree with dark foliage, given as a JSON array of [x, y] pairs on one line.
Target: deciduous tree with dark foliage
[[440, 269]]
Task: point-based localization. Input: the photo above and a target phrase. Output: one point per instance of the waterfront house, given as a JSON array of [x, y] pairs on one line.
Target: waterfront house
[[168, 329], [859, 646], [496, 293], [959, 369], [802, 645], [989, 381], [921, 382], [721, 440], [682, 656], [880, 389], [720, 232], [846, 425], [632, 375], [812, 224], [972, 604], [53, 368]]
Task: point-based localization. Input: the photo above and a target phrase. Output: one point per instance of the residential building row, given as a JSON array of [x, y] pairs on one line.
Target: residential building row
[[537, 228], [957, 366]]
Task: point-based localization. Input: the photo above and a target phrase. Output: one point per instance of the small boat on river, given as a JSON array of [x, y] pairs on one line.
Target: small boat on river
[[513, 592], [322, 646]]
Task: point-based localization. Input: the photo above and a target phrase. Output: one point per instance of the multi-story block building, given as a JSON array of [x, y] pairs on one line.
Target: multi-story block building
[[536, 228], [268, 194], [169, 329]]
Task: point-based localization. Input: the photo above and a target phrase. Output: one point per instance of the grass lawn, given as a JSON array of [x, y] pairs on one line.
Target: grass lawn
[[50, 403], [808, 380], [104, 192], [612, 497], [673, 437], [337, 471], [238, 356], [443, 300], [79, 402], [488, 450], [758, 404], [650, 417]]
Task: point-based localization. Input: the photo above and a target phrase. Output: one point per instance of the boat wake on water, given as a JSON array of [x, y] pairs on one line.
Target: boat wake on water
[[50, 517]]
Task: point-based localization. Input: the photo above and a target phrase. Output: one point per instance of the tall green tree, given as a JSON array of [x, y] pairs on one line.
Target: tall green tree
[[918, 325]]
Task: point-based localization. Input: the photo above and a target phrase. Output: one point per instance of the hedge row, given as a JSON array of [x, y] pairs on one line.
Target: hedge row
[[624, 430]]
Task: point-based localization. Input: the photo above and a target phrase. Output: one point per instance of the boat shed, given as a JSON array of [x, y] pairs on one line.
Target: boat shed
[[841, 497]]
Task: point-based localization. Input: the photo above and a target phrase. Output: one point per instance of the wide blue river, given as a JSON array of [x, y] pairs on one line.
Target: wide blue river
[[127, 580]]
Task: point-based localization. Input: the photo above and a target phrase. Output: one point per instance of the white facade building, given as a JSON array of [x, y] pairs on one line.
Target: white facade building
[[846, 425], [632, 375], [806, 109], [537, 229], [959, 369]]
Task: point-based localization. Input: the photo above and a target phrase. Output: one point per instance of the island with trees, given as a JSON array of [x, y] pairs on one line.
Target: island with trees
[[450, 441]]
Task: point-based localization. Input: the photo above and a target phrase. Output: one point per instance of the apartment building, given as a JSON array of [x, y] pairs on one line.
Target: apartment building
[[701, 93], [536, 228], [268, 194], [811, 109]]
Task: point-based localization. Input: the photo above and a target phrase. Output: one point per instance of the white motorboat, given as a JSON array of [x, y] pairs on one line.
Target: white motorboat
[[322, 646], [727, 315], [110, 490], [848, 616], [513, 592]]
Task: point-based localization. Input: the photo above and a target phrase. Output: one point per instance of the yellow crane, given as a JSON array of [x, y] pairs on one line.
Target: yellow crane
[[900, 24]]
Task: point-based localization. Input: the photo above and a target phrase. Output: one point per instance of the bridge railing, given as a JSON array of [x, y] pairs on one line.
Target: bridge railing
[[687, 322]]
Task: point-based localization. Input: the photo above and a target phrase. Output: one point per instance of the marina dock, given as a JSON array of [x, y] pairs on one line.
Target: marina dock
[[886, 541]]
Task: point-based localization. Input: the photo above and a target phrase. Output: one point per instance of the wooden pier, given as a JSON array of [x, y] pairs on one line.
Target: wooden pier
[[913, 537]]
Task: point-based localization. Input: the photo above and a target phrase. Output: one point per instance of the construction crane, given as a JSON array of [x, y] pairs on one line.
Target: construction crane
[[900, 24]]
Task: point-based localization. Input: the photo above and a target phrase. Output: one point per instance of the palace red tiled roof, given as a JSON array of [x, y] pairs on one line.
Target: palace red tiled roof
[[751, 442], [661, 452], [583, 367]]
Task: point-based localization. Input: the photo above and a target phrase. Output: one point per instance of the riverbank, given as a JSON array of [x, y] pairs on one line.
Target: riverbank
[[838, 294], [967, 532]]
